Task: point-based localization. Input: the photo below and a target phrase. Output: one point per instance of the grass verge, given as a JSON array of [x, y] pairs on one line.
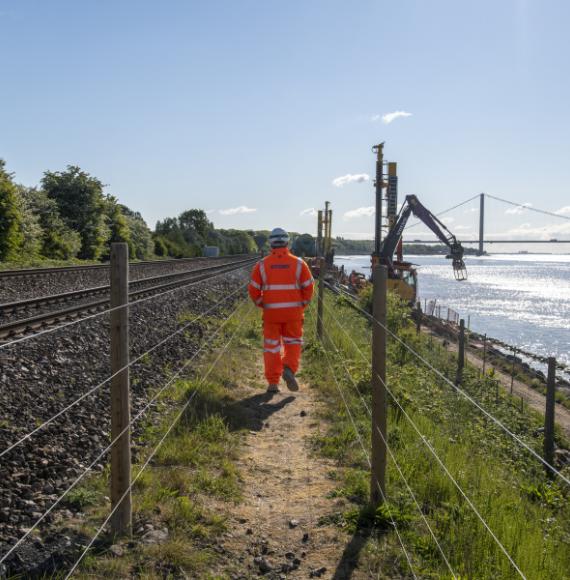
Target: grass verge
[[528, 512], [178, 501]]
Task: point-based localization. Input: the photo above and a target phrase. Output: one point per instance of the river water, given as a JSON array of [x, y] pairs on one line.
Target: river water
[[523, 300]]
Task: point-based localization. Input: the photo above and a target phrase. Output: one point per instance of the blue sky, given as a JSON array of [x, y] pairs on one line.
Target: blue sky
[[262, 104]]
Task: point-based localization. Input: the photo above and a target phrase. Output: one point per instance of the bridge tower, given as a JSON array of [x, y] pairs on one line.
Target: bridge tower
[[481, 250]]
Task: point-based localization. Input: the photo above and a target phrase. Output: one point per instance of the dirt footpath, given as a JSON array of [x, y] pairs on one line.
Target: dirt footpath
[[275, 531], [533, 398]]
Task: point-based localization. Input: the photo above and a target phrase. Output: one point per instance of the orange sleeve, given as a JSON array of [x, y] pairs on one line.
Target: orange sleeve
[[307, 283], [254, 287]]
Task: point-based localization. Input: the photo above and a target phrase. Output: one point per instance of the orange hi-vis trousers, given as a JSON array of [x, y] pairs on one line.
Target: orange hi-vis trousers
[[276, 334]]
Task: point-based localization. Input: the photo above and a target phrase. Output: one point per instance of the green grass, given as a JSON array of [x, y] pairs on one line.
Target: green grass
[[529, 513], [195, 465]]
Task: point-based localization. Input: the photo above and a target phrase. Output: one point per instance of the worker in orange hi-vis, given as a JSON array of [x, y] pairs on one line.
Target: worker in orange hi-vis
[[281, 284]]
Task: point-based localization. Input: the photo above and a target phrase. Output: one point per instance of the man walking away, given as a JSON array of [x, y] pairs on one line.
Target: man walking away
[[282, 285]]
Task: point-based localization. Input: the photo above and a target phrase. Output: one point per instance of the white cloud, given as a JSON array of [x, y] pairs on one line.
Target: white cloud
[[238, 210], [389, 117], [350, 178], [472, 210], [519, 209], [209, 211], [461, 227], [448, 220], [360, 212], [310, 211], [563, 210]]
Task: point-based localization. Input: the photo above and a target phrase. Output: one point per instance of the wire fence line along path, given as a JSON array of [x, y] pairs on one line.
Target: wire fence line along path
[[182, 326]]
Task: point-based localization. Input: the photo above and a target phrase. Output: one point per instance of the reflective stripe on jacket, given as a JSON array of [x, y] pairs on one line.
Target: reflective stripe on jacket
[[282, 285]]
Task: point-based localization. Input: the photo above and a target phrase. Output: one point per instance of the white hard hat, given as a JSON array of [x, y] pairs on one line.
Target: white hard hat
[[278, 238]]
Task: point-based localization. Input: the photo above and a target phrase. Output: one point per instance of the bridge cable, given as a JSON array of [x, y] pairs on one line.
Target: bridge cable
[[530, 208], [444, 211]]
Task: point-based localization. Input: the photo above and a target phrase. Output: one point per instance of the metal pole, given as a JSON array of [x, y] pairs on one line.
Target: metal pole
[[379, 402], [549, 414], [320, 233], [121, 522], [379, 149], [460, 353], [481, 223], [320, 298]]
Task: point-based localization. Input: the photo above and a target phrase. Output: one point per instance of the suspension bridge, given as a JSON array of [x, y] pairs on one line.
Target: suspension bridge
[[482, 240]]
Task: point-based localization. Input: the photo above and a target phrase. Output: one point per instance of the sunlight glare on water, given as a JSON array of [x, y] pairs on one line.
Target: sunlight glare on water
[[522, 299]]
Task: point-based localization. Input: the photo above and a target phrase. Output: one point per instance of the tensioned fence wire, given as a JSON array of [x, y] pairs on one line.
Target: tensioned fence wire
[[121, 306], [119, 371], [424, 439], [156, 448], [499, 423], [150, 403], [367, 456]]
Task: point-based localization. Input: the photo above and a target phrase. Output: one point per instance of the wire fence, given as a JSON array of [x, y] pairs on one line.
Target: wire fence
[[229, 297]]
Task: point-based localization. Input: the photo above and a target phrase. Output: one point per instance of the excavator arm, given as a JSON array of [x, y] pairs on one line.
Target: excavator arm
[[412, 205]]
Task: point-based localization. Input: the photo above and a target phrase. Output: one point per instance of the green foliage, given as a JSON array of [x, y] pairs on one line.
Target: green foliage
[[528, 512], [141, 244], [11, 234], [30, 224], [304, 246], [57, 240], [81, 204]]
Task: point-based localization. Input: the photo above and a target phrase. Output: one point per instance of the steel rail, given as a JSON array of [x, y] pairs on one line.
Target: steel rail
[[9, 307], [49, 318], [89, 267]]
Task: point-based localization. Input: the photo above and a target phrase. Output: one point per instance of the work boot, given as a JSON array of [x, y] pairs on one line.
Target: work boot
[[273, 388], [289, 378]]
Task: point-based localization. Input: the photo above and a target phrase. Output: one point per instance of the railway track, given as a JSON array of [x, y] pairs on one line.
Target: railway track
[[138, 289], [38, 272]]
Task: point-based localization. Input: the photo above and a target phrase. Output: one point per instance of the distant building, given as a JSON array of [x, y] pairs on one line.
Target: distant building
[[211, 251]]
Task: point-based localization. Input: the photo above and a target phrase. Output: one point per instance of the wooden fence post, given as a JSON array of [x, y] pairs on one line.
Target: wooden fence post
[[418, 317], [549, 414], [513, 368], [484, 353], [460, 353], [121, 521], [379, 402], [320, 298]]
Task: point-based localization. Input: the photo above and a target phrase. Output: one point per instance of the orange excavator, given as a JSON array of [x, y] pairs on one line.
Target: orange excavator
[[402, 276]]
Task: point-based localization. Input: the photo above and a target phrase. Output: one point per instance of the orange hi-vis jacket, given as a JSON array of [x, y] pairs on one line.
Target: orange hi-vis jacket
[[282, 285]]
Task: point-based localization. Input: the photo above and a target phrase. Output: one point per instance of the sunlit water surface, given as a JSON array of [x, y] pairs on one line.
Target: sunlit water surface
[[522, 299]]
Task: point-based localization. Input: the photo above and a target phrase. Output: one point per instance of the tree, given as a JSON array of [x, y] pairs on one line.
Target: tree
[[142, 244], [30, 226], [56, 239], [81, 204], [11, 236], [195, 220]]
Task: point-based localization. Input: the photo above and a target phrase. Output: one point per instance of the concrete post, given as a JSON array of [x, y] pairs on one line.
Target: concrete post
[[121, 522], [379, 402]]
